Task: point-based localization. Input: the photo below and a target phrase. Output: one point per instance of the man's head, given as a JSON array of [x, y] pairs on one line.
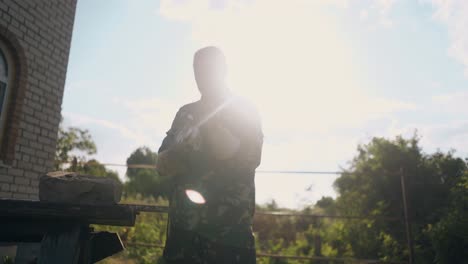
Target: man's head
[[209, 65]]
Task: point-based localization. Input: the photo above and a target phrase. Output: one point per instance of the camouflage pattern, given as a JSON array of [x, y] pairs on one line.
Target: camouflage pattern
[[218, 159]]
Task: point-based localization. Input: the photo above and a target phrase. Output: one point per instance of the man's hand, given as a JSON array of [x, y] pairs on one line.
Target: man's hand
[[172, 162], [162, 164]]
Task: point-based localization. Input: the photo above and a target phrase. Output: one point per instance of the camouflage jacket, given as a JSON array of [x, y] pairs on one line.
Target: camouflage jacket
[[226, 183]]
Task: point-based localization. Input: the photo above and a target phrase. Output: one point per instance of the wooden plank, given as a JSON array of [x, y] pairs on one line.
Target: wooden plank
[[119, 215]]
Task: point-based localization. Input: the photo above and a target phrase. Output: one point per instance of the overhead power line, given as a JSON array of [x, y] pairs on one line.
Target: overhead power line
[[146, 166], [165, 209], [298, 172], [132, 166]]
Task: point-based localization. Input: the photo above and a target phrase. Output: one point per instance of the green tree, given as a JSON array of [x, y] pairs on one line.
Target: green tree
[[325, 202], [70, 142], [372, 186], [94, 168], [145, 181], [73, 141], [143, 241], [449, 236]]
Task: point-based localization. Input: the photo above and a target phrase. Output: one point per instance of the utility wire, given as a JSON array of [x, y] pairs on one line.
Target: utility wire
[[148, 166], [276, 256], [165, 209], [298, 172]]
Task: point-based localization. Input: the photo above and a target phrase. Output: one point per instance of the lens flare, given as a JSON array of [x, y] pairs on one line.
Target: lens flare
[[195, 196]]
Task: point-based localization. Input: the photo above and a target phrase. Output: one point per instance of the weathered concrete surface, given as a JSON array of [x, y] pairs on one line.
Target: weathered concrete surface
[[69, 187]]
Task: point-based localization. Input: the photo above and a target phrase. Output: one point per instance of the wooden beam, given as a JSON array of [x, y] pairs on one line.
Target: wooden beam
[[118, 215]]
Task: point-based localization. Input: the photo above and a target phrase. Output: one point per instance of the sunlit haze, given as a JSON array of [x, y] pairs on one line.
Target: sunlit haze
[[325, 76]]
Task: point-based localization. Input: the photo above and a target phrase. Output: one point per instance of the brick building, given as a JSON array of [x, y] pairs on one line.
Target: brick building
[[35, 41]]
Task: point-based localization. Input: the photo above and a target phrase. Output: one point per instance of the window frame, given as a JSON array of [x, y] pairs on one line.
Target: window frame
[[4, 49]]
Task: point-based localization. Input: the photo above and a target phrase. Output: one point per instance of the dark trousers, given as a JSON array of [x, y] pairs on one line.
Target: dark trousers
[[196, 249]]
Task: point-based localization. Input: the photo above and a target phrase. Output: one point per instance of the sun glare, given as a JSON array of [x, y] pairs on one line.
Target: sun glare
[[297, 69], [195, 196], [294, 63]]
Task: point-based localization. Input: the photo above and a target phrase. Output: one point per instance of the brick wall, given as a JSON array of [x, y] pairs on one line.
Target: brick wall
[[38, 34]]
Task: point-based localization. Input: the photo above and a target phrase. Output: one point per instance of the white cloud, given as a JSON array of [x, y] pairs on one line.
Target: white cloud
[[364, 14], [454, 14], [151, 116], [154, 114], [447, 130], [454, 131], [83, 120], [450, 135], [290, 190], [114, 140], [377, 13], [384, 7], [455, 103]]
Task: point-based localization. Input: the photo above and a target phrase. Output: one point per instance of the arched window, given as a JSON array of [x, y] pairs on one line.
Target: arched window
[[5, 84], [13, 80]]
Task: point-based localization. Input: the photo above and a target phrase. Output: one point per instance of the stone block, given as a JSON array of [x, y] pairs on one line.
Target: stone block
[[69, 187]]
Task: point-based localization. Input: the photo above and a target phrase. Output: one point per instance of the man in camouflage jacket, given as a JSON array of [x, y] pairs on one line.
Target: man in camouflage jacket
[[212, 149]]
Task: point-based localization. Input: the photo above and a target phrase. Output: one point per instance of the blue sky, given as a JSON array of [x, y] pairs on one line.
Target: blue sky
[[325, 74]]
